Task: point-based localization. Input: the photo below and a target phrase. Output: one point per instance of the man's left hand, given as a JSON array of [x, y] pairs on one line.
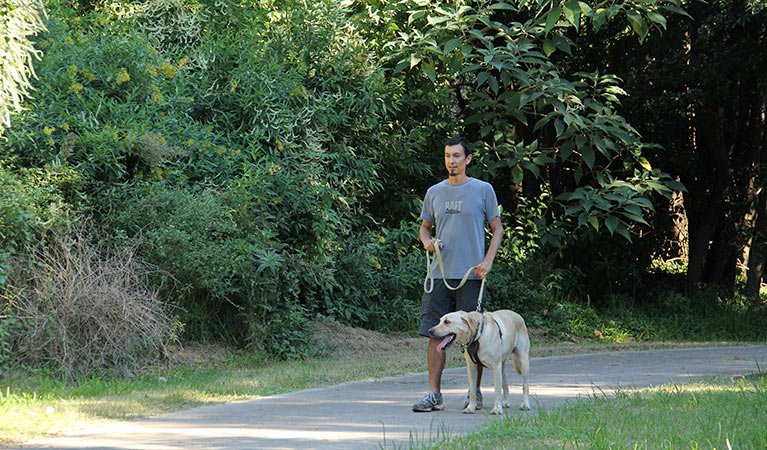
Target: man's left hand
[[483, 269]]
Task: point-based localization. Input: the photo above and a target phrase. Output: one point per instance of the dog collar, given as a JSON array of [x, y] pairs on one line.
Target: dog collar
[[472, 348], [478, 334]]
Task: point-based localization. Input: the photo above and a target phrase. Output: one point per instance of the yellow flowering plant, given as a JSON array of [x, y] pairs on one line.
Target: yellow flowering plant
[[122, 76]]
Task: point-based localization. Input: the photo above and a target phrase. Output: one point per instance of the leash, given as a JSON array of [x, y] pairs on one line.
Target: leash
[[430, 276]]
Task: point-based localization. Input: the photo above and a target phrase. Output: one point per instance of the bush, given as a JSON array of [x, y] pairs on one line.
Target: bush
[[171, 23], [245, 152], [102, 93], [81, 312], [379, 279], [33, 203]]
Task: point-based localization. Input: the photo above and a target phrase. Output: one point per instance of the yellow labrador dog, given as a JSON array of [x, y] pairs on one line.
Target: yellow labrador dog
[[489, 339]]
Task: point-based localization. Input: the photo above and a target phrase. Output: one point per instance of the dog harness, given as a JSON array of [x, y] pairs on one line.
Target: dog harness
[[472, 348]]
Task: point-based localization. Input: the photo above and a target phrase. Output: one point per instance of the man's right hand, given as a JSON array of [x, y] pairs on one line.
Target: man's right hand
[[429, 246]]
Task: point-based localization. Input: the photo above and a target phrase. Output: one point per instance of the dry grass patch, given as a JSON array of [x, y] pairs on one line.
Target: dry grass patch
[[83, 311]]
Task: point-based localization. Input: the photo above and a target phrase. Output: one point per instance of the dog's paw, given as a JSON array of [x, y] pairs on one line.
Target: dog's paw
[[506, 404], [469, 410], [497, 411], [524, 407]]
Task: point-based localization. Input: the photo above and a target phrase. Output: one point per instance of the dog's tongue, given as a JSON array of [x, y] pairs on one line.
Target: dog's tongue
[[444, 342]]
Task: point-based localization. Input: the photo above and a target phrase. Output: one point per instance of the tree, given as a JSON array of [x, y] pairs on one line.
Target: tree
[[701, 90], [19, 19], [542, 132]]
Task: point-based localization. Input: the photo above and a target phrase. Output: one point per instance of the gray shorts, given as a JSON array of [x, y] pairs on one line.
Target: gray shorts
[[443, 300]]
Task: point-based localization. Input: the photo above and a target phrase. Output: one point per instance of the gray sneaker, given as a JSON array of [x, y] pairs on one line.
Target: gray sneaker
[[479, 400], [432, 401]]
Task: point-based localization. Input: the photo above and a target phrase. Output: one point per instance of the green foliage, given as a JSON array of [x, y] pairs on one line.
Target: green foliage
[[173, 24], [604, 290], [208, 251], [269, 159], [10, 326], [84, 116], [282, 233], [673, 315], [379, 280], [33, 203], [529, 115], [19, 20], [678, 81]]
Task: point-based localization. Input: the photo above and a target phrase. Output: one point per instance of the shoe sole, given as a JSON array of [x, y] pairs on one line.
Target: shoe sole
[[433, 408]]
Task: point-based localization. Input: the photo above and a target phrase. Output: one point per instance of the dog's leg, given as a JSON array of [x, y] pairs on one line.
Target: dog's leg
[[506, 403], [522, 364], [472, 372], [497, 381]]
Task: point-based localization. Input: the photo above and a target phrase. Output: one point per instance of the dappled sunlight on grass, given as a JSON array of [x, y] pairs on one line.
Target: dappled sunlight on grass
[[708, 414], [22, 420], [39, 406]]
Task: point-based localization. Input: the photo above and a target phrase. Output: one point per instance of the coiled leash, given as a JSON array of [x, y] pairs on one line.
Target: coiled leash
[[430, 276]]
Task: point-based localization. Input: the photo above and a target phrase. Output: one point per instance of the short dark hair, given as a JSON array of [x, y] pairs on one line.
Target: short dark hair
[[462, 141]]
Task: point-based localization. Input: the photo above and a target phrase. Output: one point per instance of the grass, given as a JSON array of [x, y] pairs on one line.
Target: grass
[[37, 405], [711, 414], [33, 406]]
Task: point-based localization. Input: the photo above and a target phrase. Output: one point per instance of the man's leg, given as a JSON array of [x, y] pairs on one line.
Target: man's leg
[[433, 306], [436, 362]]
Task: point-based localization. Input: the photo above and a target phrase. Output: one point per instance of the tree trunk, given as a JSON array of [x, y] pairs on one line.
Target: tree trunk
[[675, 244], [702, 229], [758, 254], [722, 256], [758, 244], [706, 206]]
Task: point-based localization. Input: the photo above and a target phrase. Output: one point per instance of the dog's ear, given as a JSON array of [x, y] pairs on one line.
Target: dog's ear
[[470, 322]]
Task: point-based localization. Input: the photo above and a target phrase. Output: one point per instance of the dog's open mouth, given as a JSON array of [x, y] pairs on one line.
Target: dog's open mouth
[[446, 342]]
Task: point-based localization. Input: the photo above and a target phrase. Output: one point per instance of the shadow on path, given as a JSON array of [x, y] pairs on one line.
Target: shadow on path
[[361, 414]]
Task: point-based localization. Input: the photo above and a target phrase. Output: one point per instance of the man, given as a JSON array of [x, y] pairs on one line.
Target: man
[[459, 207]]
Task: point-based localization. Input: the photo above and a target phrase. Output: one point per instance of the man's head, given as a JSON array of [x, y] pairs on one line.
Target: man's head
[[457, 156], [460, 141]]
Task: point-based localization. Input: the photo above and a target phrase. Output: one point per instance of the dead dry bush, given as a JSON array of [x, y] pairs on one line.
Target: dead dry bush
[[85, 312]]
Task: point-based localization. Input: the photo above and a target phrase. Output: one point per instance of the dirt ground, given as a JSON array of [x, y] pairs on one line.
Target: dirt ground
[[335, 338], [332, 338], [329, 339]]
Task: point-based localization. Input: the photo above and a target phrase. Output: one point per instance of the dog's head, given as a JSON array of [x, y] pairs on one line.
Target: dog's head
[[459, 326]]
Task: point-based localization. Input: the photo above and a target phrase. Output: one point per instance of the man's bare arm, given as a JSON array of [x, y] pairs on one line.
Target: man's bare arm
[[424, 231], [486, 265]]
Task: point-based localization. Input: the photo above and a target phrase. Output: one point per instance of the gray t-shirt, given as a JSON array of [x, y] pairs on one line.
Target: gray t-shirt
[[459, 213]]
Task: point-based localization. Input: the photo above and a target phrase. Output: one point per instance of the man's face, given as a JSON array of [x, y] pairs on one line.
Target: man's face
[[456, 160]]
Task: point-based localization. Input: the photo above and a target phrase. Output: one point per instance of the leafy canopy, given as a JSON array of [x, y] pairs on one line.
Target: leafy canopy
[[504, 62]]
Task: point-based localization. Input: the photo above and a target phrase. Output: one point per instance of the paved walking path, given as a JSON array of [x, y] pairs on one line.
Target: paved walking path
[[374, 414]]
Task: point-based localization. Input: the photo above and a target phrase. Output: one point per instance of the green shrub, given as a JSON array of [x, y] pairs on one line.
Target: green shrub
[[34, 203], [378, 281], [174, 25], [247, 152], [19, 20], [210, 258], [101, 90]]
